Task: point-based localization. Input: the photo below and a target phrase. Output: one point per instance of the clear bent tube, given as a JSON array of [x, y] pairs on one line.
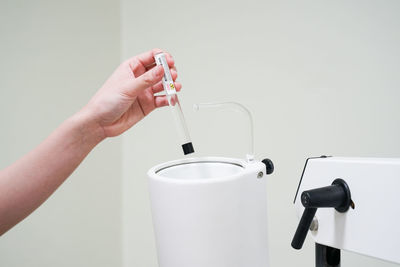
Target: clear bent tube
[[243, 110]]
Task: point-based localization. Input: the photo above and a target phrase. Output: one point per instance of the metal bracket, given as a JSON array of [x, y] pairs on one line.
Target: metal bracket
[[326, 256]]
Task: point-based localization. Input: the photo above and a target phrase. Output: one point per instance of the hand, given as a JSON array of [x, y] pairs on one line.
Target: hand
[[128, 95], [125, 98]]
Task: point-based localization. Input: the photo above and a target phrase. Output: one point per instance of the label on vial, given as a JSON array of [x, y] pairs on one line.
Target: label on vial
[[169, 88], [167, 81]]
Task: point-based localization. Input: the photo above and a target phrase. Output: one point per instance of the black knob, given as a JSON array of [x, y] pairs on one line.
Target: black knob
[[335, 196], [269, 165]]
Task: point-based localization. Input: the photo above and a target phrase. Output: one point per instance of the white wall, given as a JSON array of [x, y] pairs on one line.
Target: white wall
[[53, 56], [321, 77]]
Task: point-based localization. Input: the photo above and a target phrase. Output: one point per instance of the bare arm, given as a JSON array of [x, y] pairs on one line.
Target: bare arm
[[126, 97]]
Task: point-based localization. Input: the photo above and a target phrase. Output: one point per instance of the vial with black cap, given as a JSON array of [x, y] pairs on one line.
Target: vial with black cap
[[173, 101]]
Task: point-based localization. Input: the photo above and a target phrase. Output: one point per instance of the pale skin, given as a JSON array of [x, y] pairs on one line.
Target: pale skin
[[125, 98]]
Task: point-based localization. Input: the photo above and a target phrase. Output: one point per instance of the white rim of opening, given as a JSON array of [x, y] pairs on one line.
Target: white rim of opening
[[153, 172]]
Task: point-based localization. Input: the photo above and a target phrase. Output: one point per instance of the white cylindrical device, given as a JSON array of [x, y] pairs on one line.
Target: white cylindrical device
[[210, 212], [173, 101]]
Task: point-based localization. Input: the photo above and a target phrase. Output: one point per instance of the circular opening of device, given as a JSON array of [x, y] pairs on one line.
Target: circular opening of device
[[200, 170]]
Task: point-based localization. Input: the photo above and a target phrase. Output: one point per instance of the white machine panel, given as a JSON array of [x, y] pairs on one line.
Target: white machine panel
[[373, 227]]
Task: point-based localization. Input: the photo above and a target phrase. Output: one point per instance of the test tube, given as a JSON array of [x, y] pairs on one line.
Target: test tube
[[174, 105]]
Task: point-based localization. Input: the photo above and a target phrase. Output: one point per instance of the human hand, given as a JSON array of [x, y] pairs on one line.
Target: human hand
[[128, 95]]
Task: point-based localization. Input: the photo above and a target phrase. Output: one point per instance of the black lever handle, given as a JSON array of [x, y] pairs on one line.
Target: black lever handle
[[335, 196], [302, 228]]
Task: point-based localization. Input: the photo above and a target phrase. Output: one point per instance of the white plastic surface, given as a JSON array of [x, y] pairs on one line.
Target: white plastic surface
[[209, 212], [373, 227]]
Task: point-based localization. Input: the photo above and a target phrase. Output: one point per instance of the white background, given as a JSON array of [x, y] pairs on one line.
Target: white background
[[320, 77]]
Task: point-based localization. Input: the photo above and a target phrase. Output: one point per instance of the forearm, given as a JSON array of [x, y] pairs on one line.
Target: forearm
[[27, 183], [124, 99]]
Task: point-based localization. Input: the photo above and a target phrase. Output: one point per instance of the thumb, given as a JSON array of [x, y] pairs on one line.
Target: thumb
[[145, 80]]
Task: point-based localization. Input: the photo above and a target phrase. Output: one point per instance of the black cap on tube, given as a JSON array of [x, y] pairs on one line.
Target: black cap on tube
[[187, 148]]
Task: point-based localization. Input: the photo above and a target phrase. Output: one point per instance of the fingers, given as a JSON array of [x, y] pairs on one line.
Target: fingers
[[172, 70], [146, 58], [170, 60], [159, 87], [174, 73], [160, 101], [146, 72], [146, 80], [145, 61]]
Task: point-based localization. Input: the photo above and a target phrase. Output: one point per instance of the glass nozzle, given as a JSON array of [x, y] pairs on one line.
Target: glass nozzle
[[240, 108]]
